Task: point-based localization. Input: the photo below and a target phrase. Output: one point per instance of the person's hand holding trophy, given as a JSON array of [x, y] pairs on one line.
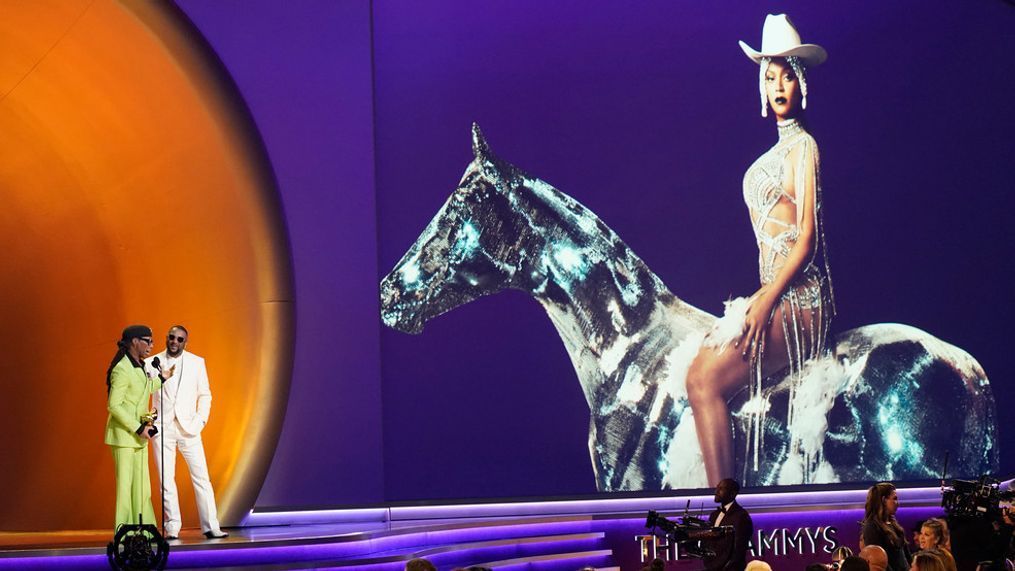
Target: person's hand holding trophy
[[148, 419]]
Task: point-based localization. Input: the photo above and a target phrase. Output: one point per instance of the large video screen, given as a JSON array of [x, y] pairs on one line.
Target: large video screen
[[560, 282], [519, 249]]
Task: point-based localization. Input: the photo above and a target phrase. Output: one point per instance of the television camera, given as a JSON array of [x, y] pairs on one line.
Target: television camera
[[976, 499], [688, 532]]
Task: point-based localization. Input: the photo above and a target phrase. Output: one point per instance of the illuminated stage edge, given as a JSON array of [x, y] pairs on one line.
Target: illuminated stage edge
[[763, 501]]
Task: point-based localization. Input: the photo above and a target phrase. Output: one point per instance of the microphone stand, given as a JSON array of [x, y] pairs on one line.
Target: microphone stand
[[944, 472], [162, 446], [162, 443]]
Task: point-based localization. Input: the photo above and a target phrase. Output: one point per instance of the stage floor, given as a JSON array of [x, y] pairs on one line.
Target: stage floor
[[15, 543], [792, 529], [535, 543]]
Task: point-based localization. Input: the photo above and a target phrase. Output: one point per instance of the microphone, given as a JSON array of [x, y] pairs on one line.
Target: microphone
[[158, 367]]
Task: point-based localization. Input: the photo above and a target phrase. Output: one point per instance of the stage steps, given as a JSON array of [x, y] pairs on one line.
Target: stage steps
[[566, 560], [549, 553]]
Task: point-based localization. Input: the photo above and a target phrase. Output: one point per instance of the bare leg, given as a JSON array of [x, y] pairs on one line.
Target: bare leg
[[713, 378]]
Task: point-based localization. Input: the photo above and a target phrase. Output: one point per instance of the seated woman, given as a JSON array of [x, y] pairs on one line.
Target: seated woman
[[935, 539], [927, 562]]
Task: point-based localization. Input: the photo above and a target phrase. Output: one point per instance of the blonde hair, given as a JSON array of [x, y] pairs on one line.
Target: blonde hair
[[841, 552], [924, 561], [940, 529]]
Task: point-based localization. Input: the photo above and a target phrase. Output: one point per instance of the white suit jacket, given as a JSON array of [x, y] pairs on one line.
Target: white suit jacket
[[193, 395]]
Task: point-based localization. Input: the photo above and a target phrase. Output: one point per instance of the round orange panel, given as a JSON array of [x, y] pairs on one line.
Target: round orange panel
[[135, 190]]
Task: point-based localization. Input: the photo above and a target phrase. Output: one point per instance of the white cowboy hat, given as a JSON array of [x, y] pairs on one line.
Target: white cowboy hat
[[780, 39]]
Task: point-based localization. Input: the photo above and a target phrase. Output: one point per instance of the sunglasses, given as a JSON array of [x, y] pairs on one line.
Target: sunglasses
[[147, 340], [177, 338]]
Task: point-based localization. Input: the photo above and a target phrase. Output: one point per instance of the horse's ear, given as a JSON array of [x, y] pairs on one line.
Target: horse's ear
[[479, 146]]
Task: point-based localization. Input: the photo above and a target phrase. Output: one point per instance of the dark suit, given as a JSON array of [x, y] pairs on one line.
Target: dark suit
[[730, 551]]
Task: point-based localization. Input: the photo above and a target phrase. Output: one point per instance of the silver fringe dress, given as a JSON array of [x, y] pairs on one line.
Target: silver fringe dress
[[777, 178]]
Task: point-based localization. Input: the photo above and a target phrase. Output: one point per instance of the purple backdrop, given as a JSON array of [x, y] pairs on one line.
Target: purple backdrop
[[648, 114], [304, 70]]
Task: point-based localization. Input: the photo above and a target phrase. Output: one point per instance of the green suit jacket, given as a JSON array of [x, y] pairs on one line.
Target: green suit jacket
[[129, 392]]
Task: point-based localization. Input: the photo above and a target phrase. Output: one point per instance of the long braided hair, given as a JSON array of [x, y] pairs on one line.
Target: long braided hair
[[121, 350], [129, 333]]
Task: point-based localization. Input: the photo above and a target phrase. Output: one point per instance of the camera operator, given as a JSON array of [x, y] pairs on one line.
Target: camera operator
[[1004, 535], [730, 551]]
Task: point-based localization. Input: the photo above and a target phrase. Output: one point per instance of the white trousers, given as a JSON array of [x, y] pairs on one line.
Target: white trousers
[[192, 450]]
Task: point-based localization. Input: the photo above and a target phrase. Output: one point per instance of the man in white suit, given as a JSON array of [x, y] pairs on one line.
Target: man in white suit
[[183, 405]]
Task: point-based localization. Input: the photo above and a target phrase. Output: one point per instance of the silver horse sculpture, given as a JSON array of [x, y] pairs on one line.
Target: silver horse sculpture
[[887, 402]]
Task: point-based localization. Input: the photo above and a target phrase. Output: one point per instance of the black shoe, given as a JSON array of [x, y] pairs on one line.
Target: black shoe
[[172, 537], [213, 535]]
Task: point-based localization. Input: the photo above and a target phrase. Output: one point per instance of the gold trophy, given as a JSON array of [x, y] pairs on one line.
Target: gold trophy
[[149, 418]]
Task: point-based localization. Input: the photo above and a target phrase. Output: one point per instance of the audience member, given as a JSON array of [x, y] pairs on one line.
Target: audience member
[[419, 564], [875, 557], [944, 555], [924, 561], [881, 528], [935, 539], [915, 533], [853, 563], [757, 565], [934, 533], [841, 552]]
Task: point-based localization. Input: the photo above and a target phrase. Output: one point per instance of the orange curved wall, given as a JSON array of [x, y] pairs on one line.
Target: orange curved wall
[[132, 193]]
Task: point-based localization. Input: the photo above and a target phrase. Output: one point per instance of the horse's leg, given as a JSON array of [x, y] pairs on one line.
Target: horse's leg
[[713, 378]]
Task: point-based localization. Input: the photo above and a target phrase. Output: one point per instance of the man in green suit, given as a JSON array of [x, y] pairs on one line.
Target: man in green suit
[[127, 432]]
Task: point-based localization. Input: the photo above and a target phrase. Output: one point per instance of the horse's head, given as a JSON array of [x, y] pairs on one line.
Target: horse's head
[[464, 253]]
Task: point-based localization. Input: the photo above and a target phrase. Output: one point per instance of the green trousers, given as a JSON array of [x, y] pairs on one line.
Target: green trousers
[[133, 486]]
